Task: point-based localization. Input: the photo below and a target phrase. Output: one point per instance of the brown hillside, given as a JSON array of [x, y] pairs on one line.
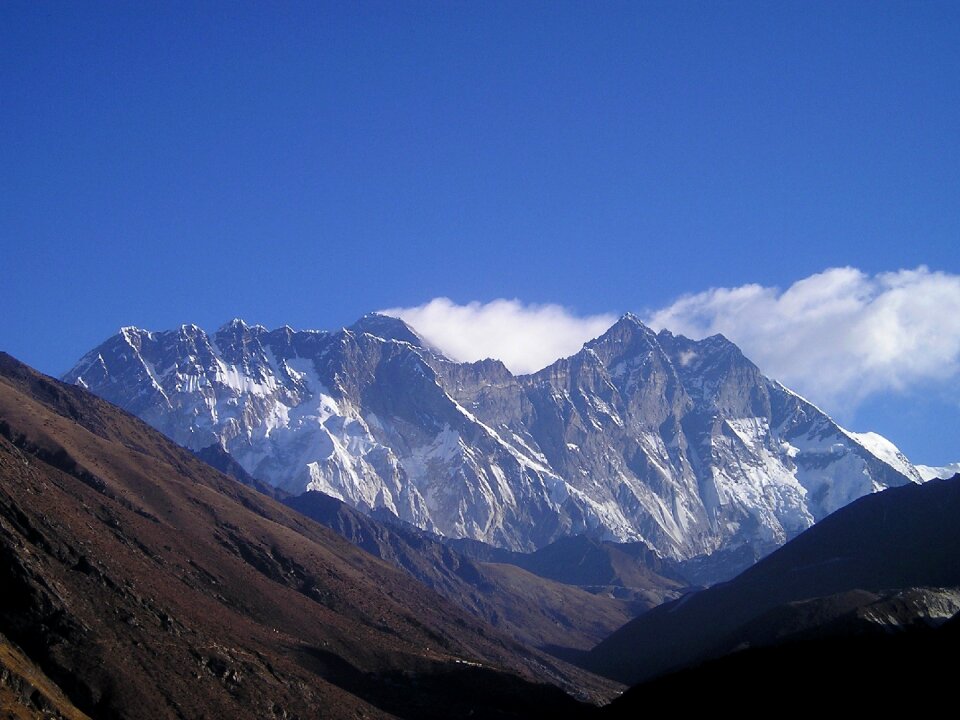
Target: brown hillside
[[146, 584]]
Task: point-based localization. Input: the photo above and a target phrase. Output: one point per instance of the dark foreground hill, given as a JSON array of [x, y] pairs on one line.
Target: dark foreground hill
[[138, 582], [887, 561], [868, 674]]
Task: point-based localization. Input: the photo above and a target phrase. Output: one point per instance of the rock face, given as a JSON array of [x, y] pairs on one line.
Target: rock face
[[641, 436]]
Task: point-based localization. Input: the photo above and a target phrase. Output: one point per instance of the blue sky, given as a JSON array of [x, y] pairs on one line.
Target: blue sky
[[306, 163]]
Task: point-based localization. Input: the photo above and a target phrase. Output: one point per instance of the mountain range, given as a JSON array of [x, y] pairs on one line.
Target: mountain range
[[646, 437], [140, 581]]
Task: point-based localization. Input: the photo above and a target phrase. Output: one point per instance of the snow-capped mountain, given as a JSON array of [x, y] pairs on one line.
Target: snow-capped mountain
[[929, 472], [647, 436]]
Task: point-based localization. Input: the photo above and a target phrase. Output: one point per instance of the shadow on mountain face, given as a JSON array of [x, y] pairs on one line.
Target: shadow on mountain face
[[534, 610]]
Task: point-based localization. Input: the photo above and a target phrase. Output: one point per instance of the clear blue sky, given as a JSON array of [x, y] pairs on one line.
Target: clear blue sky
[[305, 163]]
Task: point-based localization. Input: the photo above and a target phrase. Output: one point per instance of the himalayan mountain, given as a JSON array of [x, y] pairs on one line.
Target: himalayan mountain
[[140, 582], [640, 437]]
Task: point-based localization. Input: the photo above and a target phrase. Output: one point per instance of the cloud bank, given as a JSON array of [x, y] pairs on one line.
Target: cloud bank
[[837, 336], [525, 337]]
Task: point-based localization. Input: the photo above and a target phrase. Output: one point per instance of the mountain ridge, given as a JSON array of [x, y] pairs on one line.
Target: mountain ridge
[[639, 437]]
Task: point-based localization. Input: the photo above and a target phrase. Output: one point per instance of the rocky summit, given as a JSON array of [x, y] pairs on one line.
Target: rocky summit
[[641, 436]]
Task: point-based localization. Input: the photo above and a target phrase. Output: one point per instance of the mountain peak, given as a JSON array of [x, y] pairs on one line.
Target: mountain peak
[[131, 331], [630, 322], [718, 339], [721, 346], [627, 329], [386, 327], [233, 325]]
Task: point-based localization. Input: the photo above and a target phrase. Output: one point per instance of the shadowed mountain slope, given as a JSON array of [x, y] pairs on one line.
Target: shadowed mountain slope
[[631, 571], [534, 610], [145, 584], [26, 692], [865, 675], [905, 537]]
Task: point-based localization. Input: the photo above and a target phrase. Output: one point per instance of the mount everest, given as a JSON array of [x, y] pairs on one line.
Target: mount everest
[[641, 436]]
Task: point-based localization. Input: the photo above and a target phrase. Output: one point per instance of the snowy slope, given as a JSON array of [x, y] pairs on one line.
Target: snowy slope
[[640, 436], [928, 472]]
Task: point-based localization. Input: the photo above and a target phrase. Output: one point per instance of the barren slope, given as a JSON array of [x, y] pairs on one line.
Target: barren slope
[[147, 584]]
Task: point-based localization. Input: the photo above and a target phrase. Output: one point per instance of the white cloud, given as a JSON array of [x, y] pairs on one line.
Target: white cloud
[[837, 336], [525, 337]]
